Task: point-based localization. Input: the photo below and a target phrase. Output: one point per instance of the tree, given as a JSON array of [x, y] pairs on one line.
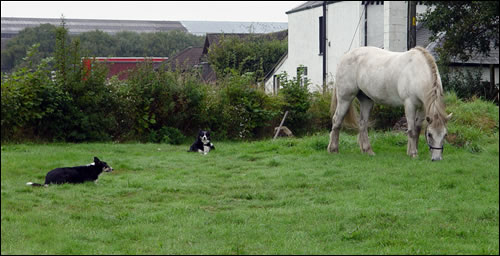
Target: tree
[[469, 26], [256, 54], [16, 48], [129, 44], [98, 43], [168, 43]]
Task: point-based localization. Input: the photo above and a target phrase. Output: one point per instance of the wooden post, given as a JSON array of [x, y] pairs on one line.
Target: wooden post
[[492, 81], [412, 25], [281, 124]]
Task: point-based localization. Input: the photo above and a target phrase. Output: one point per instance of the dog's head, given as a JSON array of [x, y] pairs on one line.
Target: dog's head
[[204, 136], [105, 167]]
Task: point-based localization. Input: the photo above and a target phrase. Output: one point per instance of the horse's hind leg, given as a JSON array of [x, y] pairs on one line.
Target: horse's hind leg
[[365, 105], [338, 117]]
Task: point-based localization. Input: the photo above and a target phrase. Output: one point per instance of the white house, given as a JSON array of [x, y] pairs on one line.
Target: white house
[[349, 24]]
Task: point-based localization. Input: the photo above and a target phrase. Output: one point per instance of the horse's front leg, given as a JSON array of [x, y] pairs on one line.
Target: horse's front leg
[[418, 126], [410, 112]]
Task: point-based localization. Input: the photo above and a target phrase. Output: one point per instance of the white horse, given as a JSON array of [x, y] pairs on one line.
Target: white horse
[[407, 78]]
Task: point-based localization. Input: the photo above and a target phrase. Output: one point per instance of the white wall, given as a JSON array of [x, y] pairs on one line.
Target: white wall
[[375, 27], [303, 47], [343, 18], [303, 44], [283, 66]]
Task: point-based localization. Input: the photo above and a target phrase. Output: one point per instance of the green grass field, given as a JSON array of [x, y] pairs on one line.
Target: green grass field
[[287, 196]]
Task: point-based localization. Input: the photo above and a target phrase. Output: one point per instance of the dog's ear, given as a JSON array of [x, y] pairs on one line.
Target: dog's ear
[[96, 160]]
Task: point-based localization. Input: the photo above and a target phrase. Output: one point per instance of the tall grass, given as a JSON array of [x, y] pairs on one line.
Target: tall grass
[[287, 196], [474, 123]]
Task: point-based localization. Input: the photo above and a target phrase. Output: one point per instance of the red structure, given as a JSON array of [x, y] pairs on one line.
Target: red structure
[[121, 66]]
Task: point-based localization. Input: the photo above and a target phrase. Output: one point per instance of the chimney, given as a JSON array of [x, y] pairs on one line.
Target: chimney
[[395, 27]]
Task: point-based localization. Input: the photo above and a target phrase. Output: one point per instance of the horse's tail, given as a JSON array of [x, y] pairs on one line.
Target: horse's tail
[[351, 118]]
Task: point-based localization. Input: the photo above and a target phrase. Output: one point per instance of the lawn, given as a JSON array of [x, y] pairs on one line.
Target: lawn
[[287, 196]]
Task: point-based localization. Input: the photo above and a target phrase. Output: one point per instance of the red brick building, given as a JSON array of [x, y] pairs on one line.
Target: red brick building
[[122, 66]]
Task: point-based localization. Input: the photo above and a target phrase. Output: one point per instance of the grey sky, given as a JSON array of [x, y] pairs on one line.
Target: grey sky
[[260, 11]]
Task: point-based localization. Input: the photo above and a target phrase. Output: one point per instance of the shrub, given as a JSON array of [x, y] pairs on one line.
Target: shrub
[[297, 100], [167, 135], [163, 98], [468, 84], [89, 114], [319, 111], [240, 109], [384, 117], [473, 124], [31, 102]]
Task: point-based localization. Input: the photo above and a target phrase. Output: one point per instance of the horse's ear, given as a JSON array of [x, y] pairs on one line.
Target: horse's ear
[[449, 117], [428, 119]]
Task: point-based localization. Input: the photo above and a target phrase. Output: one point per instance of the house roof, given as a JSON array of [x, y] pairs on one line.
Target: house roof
[[481, 59], [13, 25], [476, 58], [189, 57], [278, 64], [307, 5], [423, 35], [207, 73], [204, 27], [313, 4]]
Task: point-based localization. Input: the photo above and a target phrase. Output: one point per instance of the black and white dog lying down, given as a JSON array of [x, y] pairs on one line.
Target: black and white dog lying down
[[202, 143], [77, 174]]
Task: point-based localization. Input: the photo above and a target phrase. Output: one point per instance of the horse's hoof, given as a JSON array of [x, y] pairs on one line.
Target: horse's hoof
[[333, 151], [412, 154], [368, 152]]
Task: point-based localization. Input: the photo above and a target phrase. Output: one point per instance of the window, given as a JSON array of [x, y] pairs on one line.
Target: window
[[302, 75], [301, 71], [322, 38], [276, 84]]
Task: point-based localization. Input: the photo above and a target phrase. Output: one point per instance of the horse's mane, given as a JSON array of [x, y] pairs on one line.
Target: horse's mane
[[433, 101]]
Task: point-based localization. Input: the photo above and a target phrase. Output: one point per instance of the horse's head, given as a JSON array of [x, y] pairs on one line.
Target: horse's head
[[435, 134]]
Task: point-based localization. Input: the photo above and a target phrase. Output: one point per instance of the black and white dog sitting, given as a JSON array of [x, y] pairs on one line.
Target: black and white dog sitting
[[202, 143], [77, 174]]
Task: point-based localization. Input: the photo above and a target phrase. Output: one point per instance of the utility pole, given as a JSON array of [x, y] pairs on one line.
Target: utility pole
[[325, 45], [412, 24]]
